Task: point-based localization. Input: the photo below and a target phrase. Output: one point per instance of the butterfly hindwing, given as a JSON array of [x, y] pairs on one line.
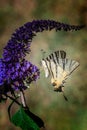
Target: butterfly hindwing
[[70, 65]]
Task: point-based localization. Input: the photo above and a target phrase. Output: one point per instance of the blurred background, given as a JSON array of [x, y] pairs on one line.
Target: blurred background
[[42, 100]]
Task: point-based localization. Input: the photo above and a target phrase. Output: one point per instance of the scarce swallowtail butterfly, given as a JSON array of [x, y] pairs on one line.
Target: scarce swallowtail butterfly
[[59, 68]]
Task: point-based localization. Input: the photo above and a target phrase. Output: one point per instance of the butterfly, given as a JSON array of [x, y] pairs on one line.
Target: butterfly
[[59, 68]]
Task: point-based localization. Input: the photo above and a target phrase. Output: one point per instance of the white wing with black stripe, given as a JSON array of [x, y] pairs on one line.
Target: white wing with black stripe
[[46, 67], [70, 65], [51, 62], [59, 68]]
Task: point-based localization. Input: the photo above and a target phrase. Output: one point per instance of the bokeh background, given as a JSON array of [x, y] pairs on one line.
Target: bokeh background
[[42, 100]]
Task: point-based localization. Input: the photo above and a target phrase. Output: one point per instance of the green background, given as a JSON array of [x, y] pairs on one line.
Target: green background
[[42, 100]]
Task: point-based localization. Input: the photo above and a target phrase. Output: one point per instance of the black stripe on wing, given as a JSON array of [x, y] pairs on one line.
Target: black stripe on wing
[[63, 54], [57, 55], [60, 58], [53, 59], [48, 60]]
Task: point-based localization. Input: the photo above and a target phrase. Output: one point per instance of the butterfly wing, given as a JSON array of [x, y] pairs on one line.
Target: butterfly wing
[[58, 66], [64, 66], [70, 66], [45, 65], [50, 63]]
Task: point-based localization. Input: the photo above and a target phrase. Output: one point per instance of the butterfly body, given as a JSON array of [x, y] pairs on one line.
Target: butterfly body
[[59, 68], [57, 84]]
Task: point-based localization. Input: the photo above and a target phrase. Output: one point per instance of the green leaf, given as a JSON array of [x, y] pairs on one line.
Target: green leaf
[[21, 119]]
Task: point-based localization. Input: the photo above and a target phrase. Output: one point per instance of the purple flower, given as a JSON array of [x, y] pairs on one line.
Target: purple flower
[[14, 69], [15, 51], [2, 72], [12, 77], [19, 44]]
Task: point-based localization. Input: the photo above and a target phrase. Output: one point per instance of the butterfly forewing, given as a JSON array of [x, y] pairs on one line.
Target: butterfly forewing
[[60, 54], [53, 68], [45, 65], [51, 63]]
